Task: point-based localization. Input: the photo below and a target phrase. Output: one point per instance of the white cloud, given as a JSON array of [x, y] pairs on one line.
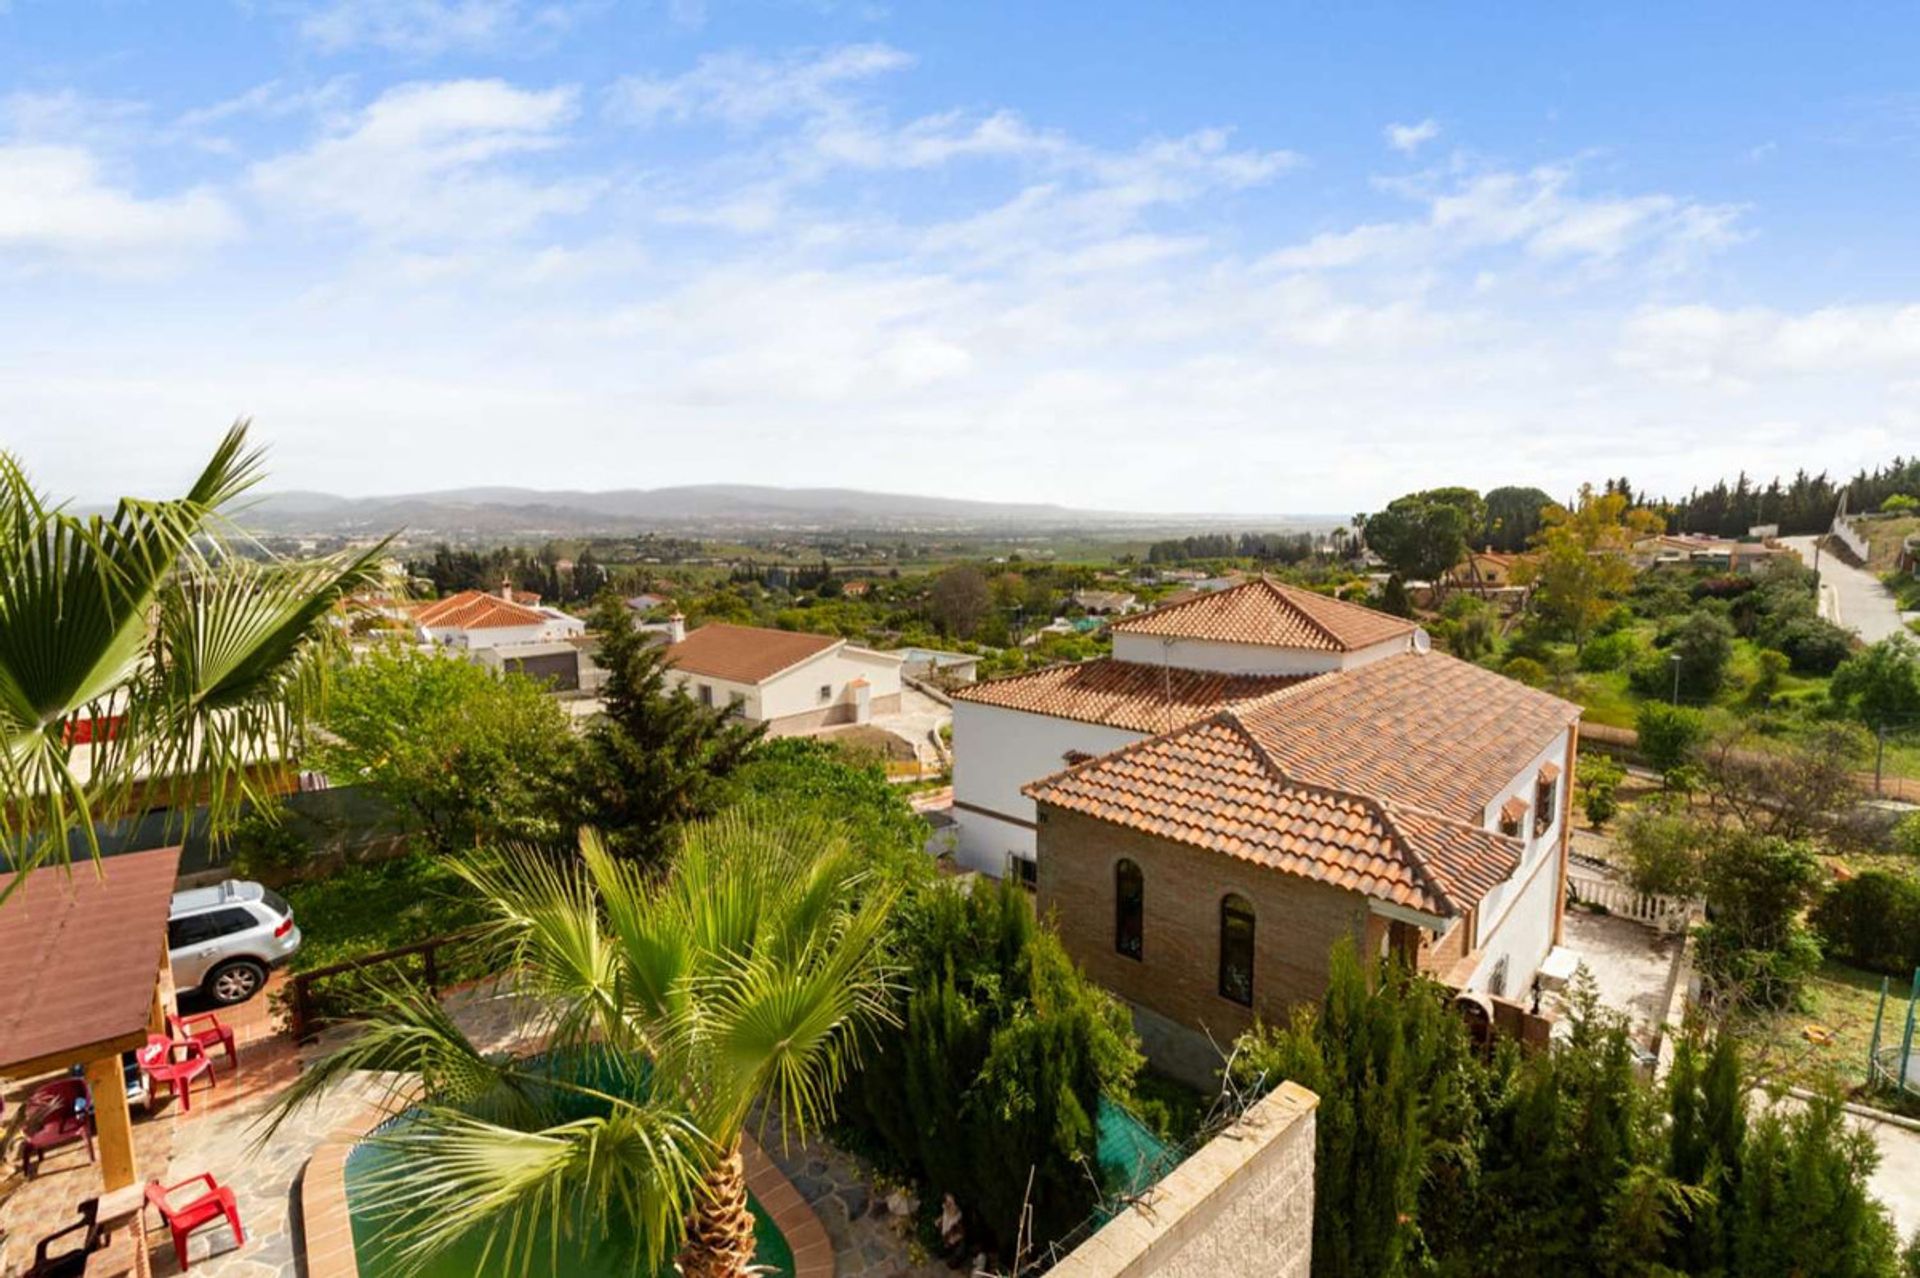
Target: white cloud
[[56, 202], [744, 90], [1740, 349], [433, 161], [427, 28], [1539, 212], [1408, 138]]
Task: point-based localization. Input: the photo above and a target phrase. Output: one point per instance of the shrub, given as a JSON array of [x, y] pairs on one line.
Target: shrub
[[1726, 587], [1873, 921], [1813, 644], [1526, 670], [1003, 1053], [1670, 736], [1610, 651], [1899, 504], [1772, 666], [1599, 777], [1662, 851], [1755, 949], [1905, 838]]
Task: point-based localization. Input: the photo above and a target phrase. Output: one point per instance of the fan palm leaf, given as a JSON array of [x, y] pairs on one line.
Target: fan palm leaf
[[193, 664]]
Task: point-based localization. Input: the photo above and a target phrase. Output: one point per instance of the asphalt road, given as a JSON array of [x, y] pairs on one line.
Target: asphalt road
[[1851, 597]]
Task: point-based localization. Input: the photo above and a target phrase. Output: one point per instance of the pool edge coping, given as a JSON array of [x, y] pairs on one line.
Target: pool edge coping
[[327, 1229]]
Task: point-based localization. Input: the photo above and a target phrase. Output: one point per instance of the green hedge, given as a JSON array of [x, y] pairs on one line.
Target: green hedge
[[1873, 921]]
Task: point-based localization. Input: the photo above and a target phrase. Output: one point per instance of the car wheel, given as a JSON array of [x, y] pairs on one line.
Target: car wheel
[[235, 982]]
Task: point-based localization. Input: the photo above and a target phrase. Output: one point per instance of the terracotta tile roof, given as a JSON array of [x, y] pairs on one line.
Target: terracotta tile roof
[[1122, 694], [1421, 729], [745, 654], [1263, 611], [84, 950], [1212, 786], [476, 610]]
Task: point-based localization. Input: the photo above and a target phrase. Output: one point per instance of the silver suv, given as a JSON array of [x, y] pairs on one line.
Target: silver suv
[[224, 939]]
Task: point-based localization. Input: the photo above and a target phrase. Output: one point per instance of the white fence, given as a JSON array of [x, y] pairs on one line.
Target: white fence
[[1590, 888], [1844, 532]]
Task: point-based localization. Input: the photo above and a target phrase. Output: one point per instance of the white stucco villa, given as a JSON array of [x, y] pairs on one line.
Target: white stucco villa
[[474, 619], [791, 681]]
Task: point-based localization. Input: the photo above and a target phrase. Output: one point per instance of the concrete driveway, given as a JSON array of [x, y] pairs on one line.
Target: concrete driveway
[[917, 716], [1850, 596]]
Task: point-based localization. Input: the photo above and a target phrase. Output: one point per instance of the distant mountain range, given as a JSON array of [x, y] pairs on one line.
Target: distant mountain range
[[507, 511]]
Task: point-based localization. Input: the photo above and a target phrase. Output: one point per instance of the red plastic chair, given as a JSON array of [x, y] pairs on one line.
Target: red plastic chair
[[205, 1029], [58, 1113], [158, 1063], [182, 1219]]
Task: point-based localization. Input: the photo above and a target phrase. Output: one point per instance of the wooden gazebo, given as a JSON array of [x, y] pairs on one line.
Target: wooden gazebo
[[87, 979]]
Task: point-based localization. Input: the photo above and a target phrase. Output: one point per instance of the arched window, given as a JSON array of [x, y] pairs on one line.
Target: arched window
[[1236, 950], [1129, 909]]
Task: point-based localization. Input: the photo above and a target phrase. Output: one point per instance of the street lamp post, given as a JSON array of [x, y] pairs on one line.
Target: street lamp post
[[1673, 659]]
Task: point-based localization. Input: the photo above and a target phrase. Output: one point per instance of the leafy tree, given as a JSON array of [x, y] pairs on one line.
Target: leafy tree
[[1393, 597], [469, 755], [1773, 666], [1793, 789], [1611, 651], [1670, 737], [1881, 686], [185, 663], [1512, 518], [960, 601], [1754, 948], [1599, 777], [1704, 644], [1663, 851], [751, 973], [1579, 563], [1900, 504], [656, 757], [873, 815], [1421, 536]]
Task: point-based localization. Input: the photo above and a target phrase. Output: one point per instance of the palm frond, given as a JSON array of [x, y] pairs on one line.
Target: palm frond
[[533, 1197]]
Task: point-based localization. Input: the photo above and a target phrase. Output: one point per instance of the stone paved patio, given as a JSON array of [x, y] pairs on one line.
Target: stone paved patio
[[869, 1241], [1631, 965]]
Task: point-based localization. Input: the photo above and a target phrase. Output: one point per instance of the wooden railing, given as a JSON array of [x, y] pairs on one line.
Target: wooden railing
[[326, 995]]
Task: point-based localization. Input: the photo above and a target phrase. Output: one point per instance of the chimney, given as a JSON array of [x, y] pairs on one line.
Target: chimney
[[506, 589], [676, 628]]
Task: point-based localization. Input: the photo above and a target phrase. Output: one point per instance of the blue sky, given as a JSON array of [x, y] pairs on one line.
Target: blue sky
[[1210, 258]]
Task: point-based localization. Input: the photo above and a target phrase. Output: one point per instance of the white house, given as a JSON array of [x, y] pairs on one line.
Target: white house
[[1332, 695], [474, 619], [791, 681]]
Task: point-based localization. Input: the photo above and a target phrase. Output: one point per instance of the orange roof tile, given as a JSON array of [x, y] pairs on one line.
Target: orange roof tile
[[1263, 611], [1212, 785], [475, 610], [1122, 694], [1422, 729], [745, 654]]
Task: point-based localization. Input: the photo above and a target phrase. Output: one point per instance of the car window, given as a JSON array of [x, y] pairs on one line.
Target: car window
[[275, 902], [196, 929]]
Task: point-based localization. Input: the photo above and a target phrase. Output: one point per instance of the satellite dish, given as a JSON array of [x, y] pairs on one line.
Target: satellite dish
[[1422, 641]]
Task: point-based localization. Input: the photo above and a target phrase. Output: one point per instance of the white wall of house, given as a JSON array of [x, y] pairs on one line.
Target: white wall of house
[[995, 752], [799, 688], [489, 636], [1243, 658], [1515, 919]]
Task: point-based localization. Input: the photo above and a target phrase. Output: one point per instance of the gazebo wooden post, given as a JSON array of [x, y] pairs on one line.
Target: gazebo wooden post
[[113, 1121]]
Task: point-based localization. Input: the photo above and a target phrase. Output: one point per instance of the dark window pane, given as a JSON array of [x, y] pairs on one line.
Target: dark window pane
[[1130, 896], [1236, 950]]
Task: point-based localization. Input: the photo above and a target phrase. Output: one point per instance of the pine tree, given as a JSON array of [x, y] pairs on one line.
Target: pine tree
[[657, 757]]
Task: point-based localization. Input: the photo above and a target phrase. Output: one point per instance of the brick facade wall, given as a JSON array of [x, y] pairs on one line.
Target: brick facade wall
[[1242, 1204], [1297, 922]]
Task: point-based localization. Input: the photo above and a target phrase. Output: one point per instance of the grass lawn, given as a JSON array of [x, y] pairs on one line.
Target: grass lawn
[[1839, 998]]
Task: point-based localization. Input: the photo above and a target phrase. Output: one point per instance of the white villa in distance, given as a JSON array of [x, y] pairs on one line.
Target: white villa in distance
[[1260, 737], [474, 619], [792, 681]]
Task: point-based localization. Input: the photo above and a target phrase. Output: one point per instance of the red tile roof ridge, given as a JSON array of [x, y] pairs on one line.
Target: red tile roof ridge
[[1310, 607]]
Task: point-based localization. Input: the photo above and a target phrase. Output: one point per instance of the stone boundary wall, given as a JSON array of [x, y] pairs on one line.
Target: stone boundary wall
[[1241, 1204]]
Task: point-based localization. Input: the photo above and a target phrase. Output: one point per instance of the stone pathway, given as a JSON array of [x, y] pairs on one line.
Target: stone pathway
[[869, 1241]]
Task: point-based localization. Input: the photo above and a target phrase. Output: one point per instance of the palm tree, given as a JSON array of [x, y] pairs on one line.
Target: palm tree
[[747, 973], [185, 662]]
